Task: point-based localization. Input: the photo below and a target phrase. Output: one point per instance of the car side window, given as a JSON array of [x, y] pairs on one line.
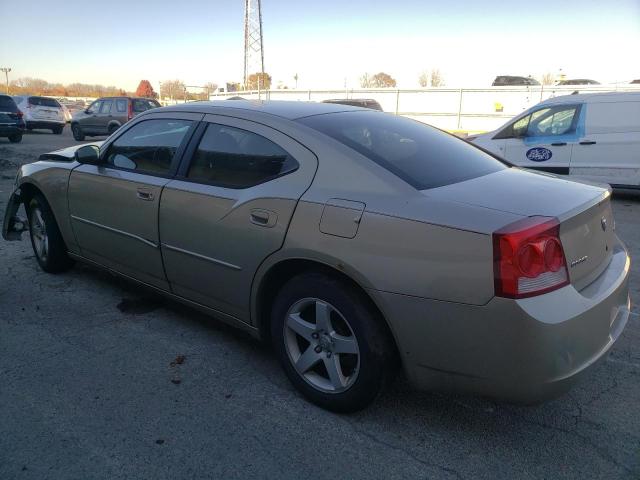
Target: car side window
[[106, 106], [121, 105], [551, 121], [149, 146], [547, 121], [95, 106], [234, 158]]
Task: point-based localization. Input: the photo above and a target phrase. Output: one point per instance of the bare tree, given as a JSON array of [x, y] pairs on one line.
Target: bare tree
[[431, 78], [548, 78], [174, 89], [37, 86], [211, 86], [423, 79], [366, 81], [437, 80]]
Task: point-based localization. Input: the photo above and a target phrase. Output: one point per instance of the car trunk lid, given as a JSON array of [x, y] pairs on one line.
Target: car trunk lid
[[583, 210]]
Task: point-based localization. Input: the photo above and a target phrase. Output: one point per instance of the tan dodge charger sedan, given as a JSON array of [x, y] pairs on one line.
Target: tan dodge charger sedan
[[354, 240]]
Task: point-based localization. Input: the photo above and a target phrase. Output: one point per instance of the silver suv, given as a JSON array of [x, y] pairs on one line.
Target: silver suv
[[106, 115]]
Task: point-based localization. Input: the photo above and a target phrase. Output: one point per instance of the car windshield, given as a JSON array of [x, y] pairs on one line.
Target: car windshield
[[7, 104], [422, 156]]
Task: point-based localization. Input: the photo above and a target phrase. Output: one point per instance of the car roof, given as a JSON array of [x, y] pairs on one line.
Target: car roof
[[281, 108], [606, 97]]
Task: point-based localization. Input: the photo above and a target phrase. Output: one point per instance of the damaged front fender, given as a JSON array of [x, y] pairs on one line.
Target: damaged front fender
[[13, 225]]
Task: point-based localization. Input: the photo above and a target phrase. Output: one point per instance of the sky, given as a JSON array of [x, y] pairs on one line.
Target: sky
[[328, 43]]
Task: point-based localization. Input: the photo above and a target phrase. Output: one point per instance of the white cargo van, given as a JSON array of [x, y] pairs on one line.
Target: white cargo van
[[592, 136]]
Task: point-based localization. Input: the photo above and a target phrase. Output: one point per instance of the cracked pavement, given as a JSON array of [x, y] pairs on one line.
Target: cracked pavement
[[94, 386]]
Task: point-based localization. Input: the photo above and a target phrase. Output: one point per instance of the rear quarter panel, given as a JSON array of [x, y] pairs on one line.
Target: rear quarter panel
[[397, 255]]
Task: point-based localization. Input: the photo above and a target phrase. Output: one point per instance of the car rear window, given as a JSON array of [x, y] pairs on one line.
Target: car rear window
[[422, 156], [44, 102], [7, 104], [142, 105]]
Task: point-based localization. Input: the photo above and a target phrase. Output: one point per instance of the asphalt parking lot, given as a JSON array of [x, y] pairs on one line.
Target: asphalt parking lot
[[101, 379]]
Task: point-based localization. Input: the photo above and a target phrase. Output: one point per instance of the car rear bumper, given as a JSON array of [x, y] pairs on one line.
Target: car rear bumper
[[524, 350], [46, 124], [7, 130]]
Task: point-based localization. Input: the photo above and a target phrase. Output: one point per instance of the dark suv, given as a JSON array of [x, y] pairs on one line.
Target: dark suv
[[11, 122], [511, 81], [106, 115]]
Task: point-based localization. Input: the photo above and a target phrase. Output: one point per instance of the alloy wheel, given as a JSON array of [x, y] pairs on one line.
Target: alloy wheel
[[39, 234], [321, 345]]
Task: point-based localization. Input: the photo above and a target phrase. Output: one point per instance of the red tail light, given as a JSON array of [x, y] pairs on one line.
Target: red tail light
[[19, 113], [528, 258], [130, 113]]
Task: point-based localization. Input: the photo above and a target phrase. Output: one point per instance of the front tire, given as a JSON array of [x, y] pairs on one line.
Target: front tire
[[332, 343], [46, 239], [77, 132], [16, 138], [57, 130]]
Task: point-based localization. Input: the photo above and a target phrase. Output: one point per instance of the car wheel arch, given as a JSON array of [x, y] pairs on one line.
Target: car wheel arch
[[28, 190], [276, 275]]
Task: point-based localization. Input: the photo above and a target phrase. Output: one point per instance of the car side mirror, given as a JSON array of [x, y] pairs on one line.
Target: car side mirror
[[88, 112], [89, 154]]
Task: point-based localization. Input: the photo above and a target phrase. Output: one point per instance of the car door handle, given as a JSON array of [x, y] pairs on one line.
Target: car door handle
[[263, 218], [145, 194], [588, 142], [559, 144]]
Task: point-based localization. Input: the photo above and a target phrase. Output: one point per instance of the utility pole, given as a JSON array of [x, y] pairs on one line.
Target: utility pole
[[253, 50], [6, 76]]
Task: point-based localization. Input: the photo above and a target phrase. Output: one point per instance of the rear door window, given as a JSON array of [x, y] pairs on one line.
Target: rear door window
[[419, 154], [234, 158], [149, 146], [121, 105]]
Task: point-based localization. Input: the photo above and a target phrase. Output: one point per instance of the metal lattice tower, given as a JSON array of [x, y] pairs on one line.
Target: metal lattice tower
[[253, 51]]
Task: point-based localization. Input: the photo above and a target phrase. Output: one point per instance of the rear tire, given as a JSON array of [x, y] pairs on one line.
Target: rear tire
[[46, 239], [332, 343], [16, 138], [57, 130], [77, 132], [112, 128]]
